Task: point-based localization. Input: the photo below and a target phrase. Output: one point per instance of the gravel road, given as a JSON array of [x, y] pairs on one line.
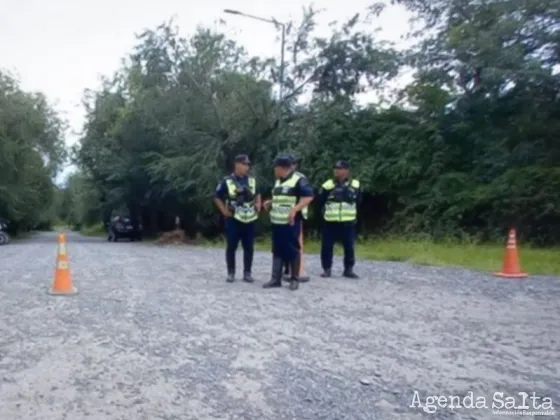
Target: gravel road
[[156, 333]]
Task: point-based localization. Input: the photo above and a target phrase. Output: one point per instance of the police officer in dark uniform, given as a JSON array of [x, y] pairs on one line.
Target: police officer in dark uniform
[[238, 199], [296, 160], [290, 195], [339, 199]]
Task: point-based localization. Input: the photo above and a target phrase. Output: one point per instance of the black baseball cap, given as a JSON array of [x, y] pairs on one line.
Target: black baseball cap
[[283, 160], [341, 164], [242, 159]]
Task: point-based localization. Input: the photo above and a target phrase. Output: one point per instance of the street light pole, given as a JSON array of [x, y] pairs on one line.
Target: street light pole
[[283, 44]]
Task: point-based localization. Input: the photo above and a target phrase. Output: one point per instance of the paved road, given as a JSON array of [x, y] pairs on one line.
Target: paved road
[[156, 333]]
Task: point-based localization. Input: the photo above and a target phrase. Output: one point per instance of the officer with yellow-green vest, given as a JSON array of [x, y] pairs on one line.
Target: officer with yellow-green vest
[[238, 198], [339, 199], [304, 214], [290, 195]]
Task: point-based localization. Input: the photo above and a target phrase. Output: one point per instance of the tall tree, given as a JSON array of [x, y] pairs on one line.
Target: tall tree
[[470, 149], [31, 152]]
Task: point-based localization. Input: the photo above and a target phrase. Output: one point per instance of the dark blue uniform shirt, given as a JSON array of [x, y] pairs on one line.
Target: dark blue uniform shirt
[[304, 188]]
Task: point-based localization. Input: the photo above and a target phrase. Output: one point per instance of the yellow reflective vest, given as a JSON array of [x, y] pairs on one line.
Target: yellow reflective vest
[[341, 203], [243, 210], [284, 199]]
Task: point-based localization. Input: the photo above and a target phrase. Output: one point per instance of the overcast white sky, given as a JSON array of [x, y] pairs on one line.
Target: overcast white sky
[[61, 47]]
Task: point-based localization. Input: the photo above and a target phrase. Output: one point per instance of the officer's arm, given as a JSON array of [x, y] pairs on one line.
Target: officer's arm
[[219, 198], [258, 199], [322, 198], [359, 197], [305, 193], [268, 203]]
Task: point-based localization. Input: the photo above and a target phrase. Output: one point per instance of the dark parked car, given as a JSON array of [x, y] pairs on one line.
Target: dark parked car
[[4, 237], [123, 227]]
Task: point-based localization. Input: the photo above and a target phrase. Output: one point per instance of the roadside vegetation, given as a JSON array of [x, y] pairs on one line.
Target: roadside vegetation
[[466, 150]]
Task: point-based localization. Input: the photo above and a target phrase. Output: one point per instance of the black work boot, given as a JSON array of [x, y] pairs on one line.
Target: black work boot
[[247, 277], [349, 274], [276, 275], [230, 277], [326, 273]]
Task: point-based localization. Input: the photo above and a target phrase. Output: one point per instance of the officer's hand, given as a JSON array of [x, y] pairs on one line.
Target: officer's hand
[[228, 213], [292, 216], [267, 204]]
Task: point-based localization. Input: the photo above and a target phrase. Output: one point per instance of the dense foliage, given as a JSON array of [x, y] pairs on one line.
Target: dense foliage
[[469, 148], [31, 152]]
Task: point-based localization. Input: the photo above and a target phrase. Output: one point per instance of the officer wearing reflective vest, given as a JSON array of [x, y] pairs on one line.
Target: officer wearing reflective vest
[[304, 214], [339, 199], [290, 195], [238, 199]]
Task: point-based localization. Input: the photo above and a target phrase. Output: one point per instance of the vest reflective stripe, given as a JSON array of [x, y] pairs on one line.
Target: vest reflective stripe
[[283, 200], [246, 212], [305, 210], [337, 210]]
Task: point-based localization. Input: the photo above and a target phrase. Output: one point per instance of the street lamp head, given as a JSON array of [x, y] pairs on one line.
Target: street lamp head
[[232, 12]]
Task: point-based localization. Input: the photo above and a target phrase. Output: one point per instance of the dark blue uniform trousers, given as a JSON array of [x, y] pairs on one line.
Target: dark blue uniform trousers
[[286, 262], [344, 232], [244, 232], [285, 240]]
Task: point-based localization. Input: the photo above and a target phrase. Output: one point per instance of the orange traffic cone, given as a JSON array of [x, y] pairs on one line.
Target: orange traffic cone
[[511, 267], [62, 284], [302, 278]]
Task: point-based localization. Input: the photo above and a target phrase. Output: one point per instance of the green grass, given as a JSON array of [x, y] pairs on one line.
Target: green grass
[[60, 227], [484, 257], [22, 235], [95, 230], [476, 256]]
